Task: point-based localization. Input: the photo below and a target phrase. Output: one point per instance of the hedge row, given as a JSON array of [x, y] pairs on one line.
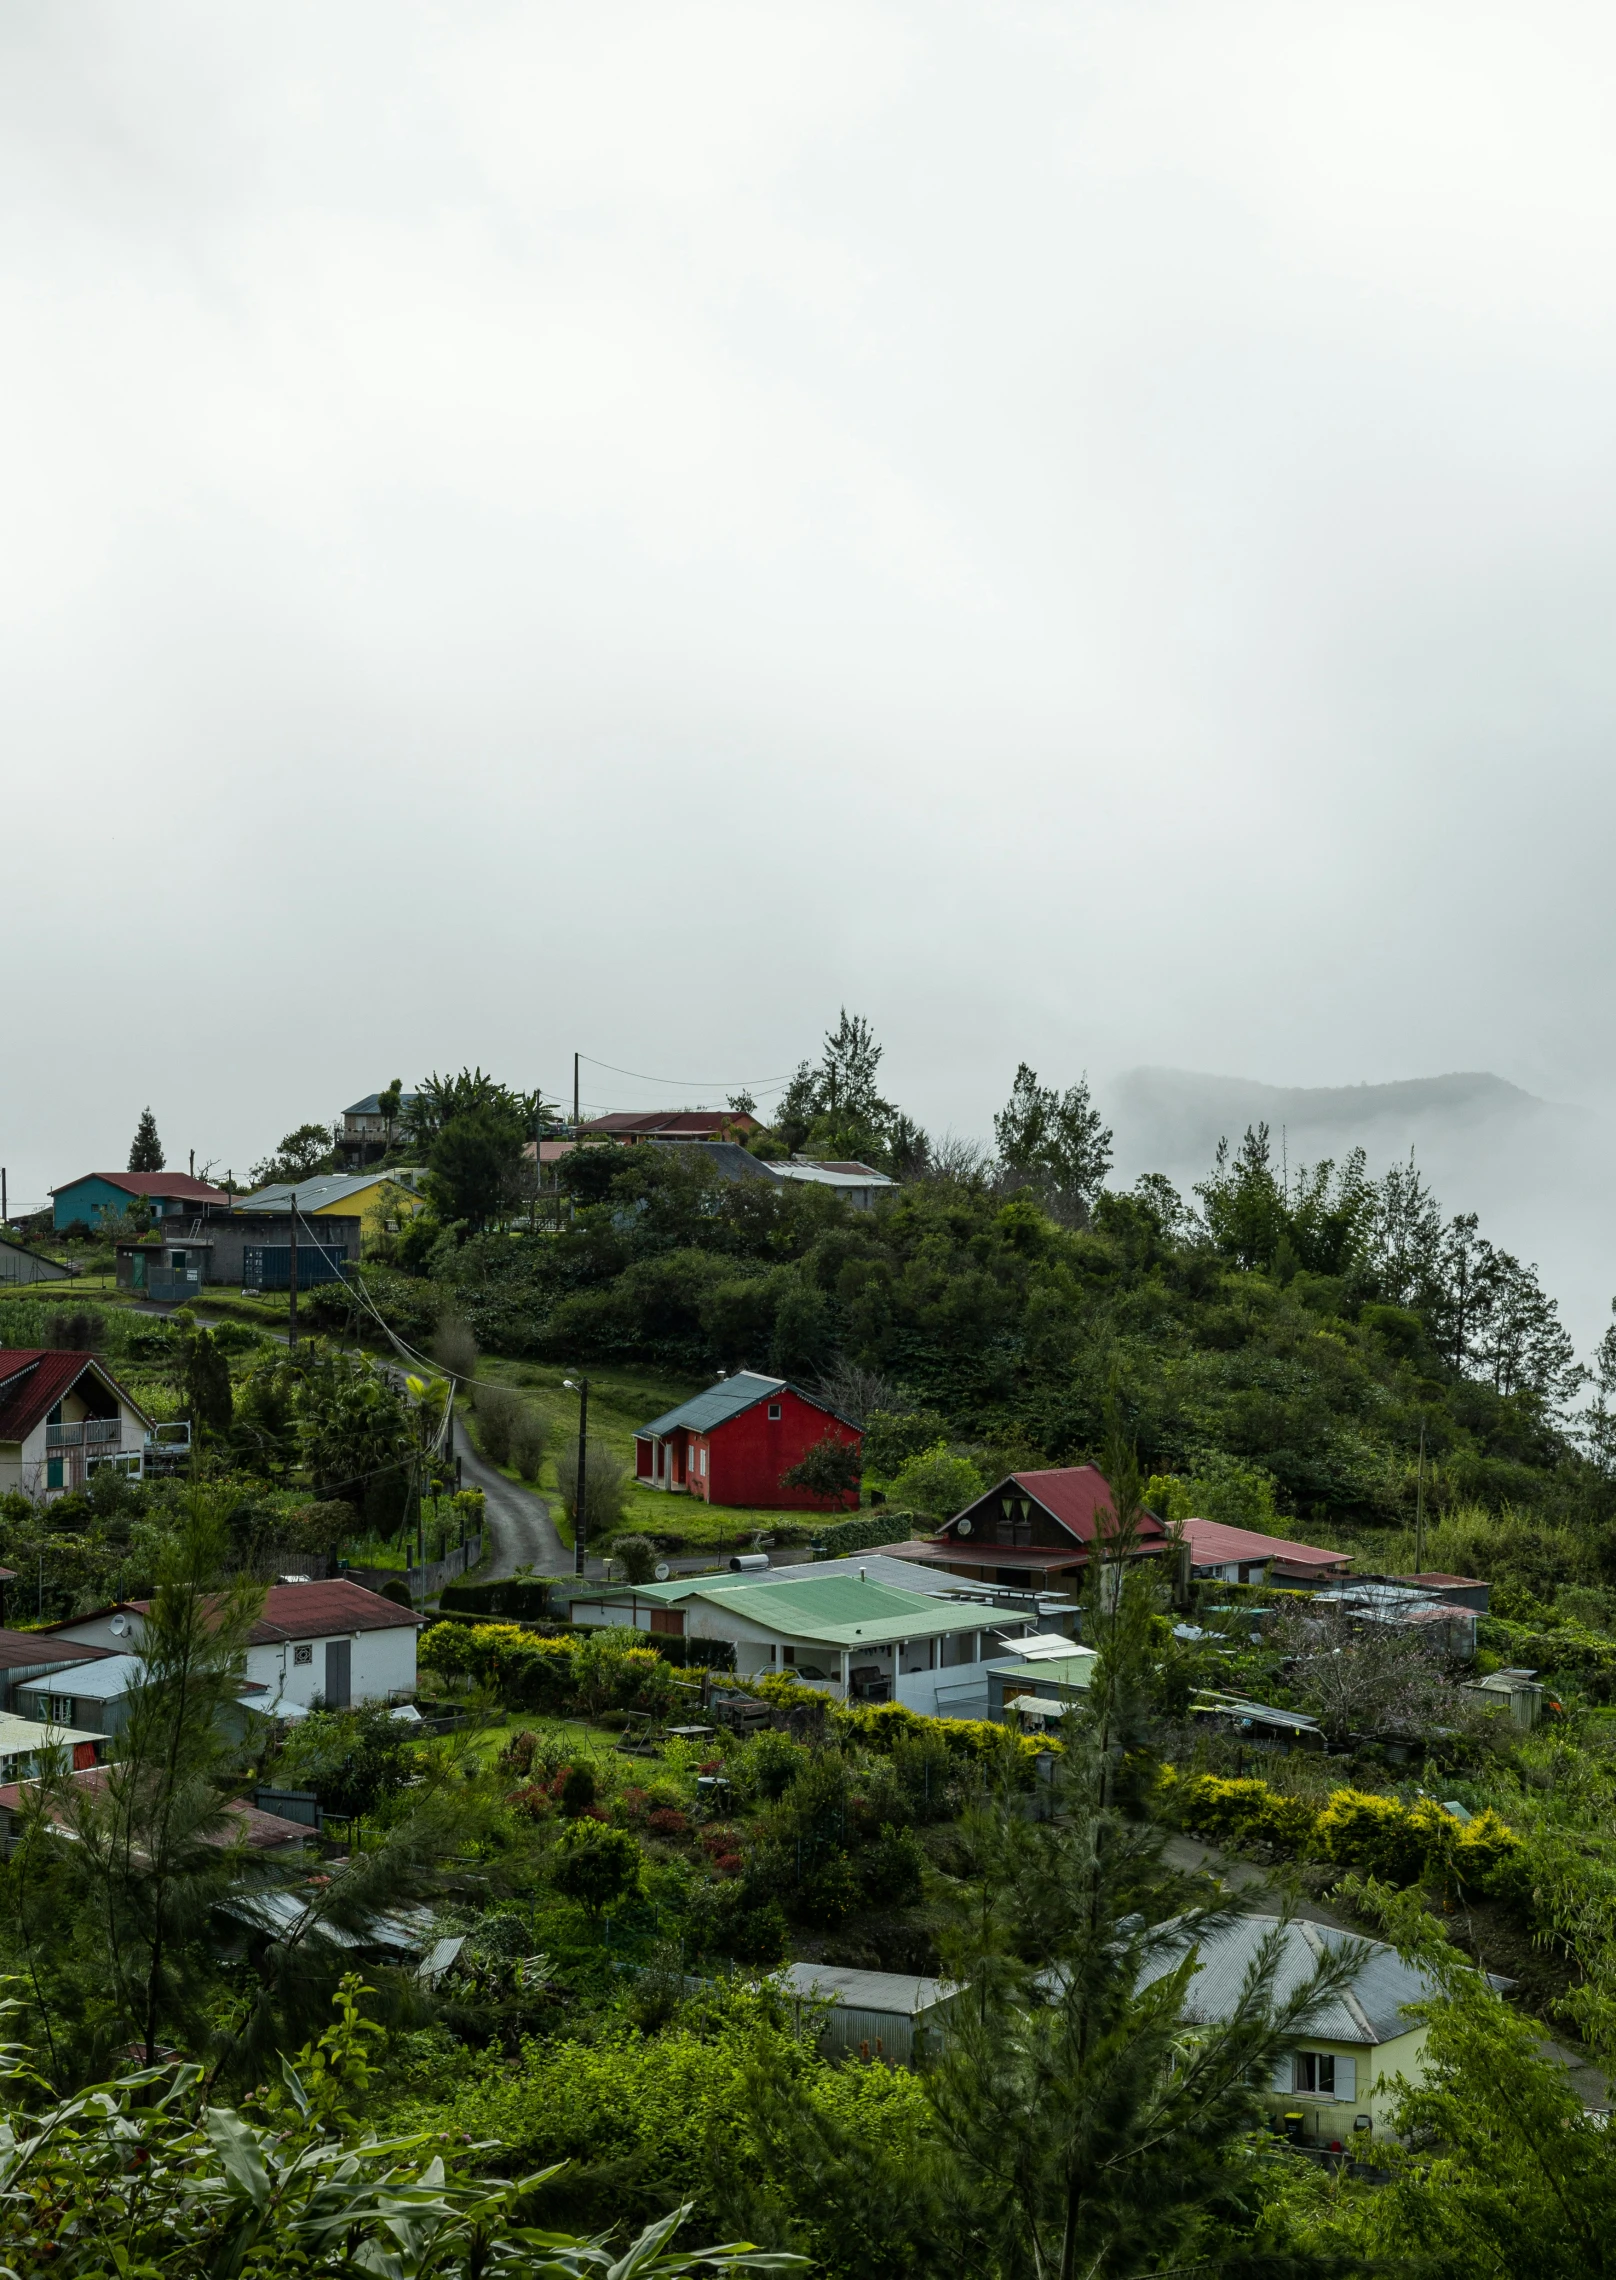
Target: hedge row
[[589, 1671], [868, 1529], [1354, 1828], [880, 1725]]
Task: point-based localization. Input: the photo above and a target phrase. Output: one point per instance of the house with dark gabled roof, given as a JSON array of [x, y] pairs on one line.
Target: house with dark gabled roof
[[731, 1444], [1040, 1530], [61, 1417]]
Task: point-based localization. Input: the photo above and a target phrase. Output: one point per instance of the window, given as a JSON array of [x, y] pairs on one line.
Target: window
[[303, 1654], [1316, 2071], [774, 1413], [704, 1464]]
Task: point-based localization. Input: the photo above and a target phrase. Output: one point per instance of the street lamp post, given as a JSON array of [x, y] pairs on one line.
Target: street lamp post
[[580, 1386]]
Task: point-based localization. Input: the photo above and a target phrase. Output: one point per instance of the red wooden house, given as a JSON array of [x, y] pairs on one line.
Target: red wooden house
[[731, 1444], [1036, 1529]]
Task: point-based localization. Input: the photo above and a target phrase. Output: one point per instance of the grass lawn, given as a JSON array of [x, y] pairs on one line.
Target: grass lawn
[[267, 1313]]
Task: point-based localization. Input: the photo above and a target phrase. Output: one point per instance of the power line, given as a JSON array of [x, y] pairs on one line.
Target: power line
[[702, 1084]]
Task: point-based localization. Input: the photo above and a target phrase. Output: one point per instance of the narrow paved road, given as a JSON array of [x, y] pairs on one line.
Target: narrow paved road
[[520, 1530]]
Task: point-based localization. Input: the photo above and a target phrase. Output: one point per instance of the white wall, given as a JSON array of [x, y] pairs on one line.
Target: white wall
[[382, 1662]]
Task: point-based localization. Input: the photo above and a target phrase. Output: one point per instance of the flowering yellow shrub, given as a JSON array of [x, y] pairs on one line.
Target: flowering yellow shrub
[[1354, 1828]]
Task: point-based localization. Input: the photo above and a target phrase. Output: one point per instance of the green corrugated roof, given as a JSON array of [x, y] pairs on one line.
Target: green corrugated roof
[[835, 1610], [726, 1399], [1048, 1670]]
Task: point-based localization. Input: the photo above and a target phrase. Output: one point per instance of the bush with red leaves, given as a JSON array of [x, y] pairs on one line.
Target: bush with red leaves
[[667, 1823]]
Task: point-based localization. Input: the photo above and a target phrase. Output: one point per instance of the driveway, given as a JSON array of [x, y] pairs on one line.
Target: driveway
[[520, 1530]]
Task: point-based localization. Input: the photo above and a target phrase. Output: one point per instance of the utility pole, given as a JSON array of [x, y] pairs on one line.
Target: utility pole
[[580, 1501], [575, 1103], [1419, 1509], [291, 1284], [193, 1163], [5, 1209]]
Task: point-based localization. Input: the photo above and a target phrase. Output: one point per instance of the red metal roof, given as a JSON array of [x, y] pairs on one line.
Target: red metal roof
[[316, 1611], [33, 1380], [689, 1123], [1073, 1495], [28, 1650], [177, 1184], [264, 1832], [1214, 1545]]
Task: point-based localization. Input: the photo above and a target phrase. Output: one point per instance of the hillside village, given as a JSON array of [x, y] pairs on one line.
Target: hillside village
[[785, 1665]]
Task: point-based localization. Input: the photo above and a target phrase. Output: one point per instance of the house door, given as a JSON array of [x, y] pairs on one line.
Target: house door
[[338, 1673]]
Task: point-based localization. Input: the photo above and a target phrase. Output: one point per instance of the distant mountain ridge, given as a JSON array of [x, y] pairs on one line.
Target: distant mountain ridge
[[1180, 1114], [1536, 1170]]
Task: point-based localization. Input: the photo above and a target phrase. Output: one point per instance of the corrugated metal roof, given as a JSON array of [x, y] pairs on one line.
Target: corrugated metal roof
[[324, 1189], [833, 1610], [1074, 1669], [27, 1650], [717, 1405], [1369, 2012], [371, 1105], [295, 1611], [1214, 1545], [905, 1996], [107, 1679], [1077, 1496]]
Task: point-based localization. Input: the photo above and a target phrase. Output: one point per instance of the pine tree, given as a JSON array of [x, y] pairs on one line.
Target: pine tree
[[146, 1150]]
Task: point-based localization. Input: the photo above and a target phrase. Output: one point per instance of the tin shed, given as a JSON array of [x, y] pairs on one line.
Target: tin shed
[[880, 2014]]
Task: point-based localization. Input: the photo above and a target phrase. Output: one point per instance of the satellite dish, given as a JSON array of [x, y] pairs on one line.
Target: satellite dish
[[119, 1626], [962, 1527], [663, 1571]]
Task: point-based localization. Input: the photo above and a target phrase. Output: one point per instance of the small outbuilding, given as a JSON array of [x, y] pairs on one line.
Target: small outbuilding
[[20, 1263], [872, 2014]]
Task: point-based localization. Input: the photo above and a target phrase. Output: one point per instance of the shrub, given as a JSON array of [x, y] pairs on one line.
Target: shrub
[[578, 1789], [771, 1762], [977, 1741], [637, 1557], [892, 1869], [1354, 1828], [828, 1893], [829, 1470], [937, 1484], [454, 1348], [891, 1440], [597, 1866], [606, 1486], [530, 1437], [498, 1409], [667, 1822]]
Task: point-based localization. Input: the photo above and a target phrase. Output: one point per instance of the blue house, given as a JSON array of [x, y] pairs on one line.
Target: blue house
[[99, 1195]]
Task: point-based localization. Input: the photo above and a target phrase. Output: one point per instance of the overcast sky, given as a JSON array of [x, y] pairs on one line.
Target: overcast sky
[[1087, 533]]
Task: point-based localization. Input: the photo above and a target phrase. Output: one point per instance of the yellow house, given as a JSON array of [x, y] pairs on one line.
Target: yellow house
[[374, 1197], [1336, 2087]]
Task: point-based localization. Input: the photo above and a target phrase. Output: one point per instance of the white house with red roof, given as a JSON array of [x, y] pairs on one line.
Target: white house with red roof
[[333, 1643], [1242, 1555], [61, 1416], [1036, 1530]]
